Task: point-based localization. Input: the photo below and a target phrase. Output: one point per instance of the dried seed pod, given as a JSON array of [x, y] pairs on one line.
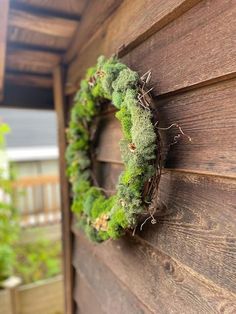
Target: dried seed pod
[[132, 147], [101, 223]]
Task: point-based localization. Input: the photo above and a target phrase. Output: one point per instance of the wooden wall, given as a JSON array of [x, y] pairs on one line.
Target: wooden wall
[[186, 263]]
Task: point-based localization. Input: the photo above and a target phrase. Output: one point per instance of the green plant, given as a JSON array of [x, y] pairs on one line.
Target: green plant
[[8, 214], [103, 218], [37, 260]]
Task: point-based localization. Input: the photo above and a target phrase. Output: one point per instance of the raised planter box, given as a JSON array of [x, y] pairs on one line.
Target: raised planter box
[[42, 297]]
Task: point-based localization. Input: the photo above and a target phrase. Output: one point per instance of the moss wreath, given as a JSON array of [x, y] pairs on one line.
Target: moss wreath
[[103, 217]]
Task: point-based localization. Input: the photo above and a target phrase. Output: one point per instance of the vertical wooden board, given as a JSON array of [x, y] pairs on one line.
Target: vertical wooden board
[[5, 302], [113, 295], [163, 284], [60, 106], [3, 38]]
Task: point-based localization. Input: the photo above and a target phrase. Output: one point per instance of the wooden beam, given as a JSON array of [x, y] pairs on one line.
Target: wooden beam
[[23, 79], [53, 26], [3, 35], [69, 9], [17, 44], [32, 61], [27, 97], [61, 110]]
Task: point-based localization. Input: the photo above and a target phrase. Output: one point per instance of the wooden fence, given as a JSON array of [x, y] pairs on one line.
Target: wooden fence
[[38, 200], [44, 297]]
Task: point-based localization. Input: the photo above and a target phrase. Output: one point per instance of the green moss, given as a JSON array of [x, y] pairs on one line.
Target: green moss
[[125, 118], [112, 80]]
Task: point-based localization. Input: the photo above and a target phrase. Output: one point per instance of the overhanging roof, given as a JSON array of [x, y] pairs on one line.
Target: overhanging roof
[[34, 38]]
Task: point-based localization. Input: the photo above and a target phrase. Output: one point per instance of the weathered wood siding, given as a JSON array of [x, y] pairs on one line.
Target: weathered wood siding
[[186, 263]]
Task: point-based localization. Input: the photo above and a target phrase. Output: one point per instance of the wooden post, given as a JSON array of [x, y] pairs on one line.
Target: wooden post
[[3, 41], [60, 106], [11, 286]]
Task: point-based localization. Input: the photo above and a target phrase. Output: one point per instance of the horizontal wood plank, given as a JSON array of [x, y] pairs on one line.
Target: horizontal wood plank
[[113, 295], [106, 175], [39, 180], [107, 148], [36, 40], [129, 26], [32, 61], [196, 222], [42, 24], [184, 53], [93, 17], [163, 284], [67, 7], [196, 225], [87, 302], [206, 114], [29, 80]]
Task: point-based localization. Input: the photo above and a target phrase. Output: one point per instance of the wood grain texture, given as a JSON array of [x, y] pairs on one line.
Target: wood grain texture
[[161, 283], [32, 61], [195, 221], [5, 302], [107, 147], [113, 294], [17, 36], [29, 80], [3, 39], [84, 292], [184, 53], [196, 225], [48, 25], [61, 108], [45, 297], [207, 115], [93, 17], [129, 26], [68, 6], [107, 175]]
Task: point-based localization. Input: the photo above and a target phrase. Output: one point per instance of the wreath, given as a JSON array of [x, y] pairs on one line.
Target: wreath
[[100, 216]]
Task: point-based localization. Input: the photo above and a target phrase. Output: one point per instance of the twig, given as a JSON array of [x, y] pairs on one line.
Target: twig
[[141, 227]]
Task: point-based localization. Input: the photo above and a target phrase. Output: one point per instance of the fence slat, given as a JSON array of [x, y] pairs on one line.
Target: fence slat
[[40, 201]]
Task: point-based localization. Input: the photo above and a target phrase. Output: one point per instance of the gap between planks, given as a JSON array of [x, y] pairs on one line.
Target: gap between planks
[[206, 281]]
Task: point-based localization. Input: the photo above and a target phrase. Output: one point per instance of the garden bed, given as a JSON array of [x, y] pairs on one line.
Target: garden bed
[[45, 297]]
